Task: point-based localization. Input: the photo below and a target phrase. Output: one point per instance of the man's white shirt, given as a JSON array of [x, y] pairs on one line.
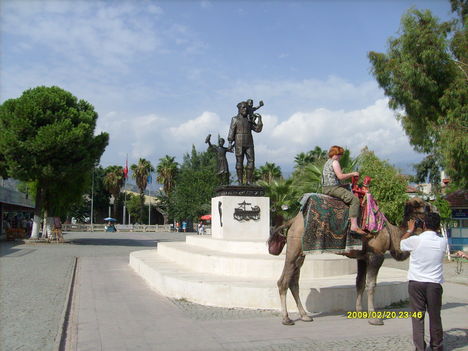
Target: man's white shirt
[[427, 254]]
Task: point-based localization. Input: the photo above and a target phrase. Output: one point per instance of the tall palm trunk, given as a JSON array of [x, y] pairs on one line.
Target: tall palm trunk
[[142, 206]]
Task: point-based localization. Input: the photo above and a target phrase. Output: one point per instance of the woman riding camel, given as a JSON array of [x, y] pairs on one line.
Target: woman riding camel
[[331, 177]]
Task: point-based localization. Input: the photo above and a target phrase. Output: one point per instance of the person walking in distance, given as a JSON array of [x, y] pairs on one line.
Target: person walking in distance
[[425, 275]]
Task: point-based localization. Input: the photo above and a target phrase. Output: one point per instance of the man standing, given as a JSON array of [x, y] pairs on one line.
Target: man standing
[[240, 133], [425, 275]]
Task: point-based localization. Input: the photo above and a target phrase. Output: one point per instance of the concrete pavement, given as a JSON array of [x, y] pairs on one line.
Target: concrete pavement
[[113, 309]]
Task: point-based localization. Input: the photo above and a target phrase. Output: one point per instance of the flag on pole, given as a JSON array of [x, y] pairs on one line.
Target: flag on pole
[[126, 168], [150, 179]]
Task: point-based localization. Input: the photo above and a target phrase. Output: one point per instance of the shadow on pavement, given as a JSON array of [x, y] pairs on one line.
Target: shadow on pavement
[[456, 339], [7, 248], [117, 242], [453, 305]]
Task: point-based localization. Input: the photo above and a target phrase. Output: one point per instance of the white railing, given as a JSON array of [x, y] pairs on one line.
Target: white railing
[[119, 227]]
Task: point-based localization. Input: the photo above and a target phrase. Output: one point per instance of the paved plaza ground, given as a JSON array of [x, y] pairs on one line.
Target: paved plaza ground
[[112, 308]]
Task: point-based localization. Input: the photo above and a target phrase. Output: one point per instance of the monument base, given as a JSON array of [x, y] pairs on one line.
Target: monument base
[[240, 217], [240, 190]]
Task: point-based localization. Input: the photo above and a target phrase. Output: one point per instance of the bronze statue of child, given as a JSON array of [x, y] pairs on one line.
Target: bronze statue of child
[[223, 167], [251, 110]]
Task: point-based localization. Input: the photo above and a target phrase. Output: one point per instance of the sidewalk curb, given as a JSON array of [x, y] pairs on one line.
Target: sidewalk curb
[[60, 339]]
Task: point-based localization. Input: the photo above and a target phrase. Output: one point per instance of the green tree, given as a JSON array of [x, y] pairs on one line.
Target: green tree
[[113, 182], [134, 209], [47, 136], [302, 159], [424, 74], [307, 179], [428, 170], [269, 172], [388, 186], [195, 185], [166, 171], [284, 198], [316, 156], [141, 172]]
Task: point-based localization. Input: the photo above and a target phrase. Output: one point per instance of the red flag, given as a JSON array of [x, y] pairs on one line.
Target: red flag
[[126, 169]]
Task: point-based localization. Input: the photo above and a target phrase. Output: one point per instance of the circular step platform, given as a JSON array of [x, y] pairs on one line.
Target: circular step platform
[[230, 273]]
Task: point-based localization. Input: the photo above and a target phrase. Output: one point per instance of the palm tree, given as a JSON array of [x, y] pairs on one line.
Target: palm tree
[[284, 198], [141, 172], [302, 159], [166, 173], [269, 172], [318, 154], [113, 182], [307, 179]]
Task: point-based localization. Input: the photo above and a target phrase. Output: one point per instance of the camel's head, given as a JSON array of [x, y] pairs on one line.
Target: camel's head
[[416, 208]]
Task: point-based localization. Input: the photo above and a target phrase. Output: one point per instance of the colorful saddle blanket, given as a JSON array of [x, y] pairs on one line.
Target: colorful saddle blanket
[[326, 225], [373, 219]]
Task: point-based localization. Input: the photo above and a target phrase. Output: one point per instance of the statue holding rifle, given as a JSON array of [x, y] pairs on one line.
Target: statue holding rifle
[[240, 136]]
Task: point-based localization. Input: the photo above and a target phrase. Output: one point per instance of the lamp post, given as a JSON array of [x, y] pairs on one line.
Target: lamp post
[[92, 201]]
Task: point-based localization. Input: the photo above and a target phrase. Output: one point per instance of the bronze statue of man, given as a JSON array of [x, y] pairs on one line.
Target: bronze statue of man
[[240, 134]]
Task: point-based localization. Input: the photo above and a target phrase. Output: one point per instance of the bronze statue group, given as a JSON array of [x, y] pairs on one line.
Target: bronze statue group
[[240, 142], [426, 249]]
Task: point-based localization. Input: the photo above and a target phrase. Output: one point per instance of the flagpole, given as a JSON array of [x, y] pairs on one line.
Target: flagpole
[[149, 206], [125, 193], [125, 202], [92, 201]]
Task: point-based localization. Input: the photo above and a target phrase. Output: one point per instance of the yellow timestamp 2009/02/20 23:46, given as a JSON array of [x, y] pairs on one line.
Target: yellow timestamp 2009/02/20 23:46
[[383, 314]]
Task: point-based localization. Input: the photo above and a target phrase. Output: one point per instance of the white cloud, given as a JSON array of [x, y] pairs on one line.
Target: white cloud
[[197, 129], [111, 35], [374, 126], [334, 92]]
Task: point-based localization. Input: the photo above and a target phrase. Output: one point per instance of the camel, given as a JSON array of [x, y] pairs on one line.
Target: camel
[[369, 259]]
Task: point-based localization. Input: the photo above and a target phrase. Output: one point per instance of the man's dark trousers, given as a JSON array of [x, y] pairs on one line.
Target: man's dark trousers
[[426, 296]]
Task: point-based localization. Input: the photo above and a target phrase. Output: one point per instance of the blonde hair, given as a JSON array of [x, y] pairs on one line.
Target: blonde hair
[[335, 150]]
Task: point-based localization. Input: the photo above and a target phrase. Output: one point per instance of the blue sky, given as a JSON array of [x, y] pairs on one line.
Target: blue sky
[[164, 74]]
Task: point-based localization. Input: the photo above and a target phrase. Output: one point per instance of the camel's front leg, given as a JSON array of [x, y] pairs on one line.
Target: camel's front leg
[[360, 282], [374, 263], [294, 286], [283, 284], [293, 252]]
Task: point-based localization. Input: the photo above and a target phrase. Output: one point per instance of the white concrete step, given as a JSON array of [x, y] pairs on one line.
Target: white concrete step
[[324, 294], [225, 245], [201, 259]]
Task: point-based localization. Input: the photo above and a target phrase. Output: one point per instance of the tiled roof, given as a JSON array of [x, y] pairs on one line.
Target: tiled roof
[[458, 198]]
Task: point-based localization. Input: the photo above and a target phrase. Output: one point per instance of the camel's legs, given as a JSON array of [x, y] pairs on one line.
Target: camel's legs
[[360, 282], [374, 263], [294, 287], [283, 285], [293, 254]]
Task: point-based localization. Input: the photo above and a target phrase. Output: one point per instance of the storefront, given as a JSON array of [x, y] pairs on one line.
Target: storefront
[[15, 209], [458, 233]]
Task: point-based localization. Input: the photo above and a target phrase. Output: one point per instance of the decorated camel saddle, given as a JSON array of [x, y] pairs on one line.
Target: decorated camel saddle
[[326, 224]]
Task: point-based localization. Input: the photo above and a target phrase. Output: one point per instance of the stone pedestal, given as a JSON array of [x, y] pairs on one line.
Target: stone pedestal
[[239, 213]]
